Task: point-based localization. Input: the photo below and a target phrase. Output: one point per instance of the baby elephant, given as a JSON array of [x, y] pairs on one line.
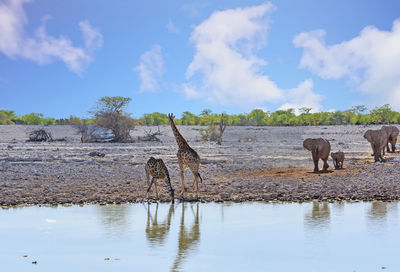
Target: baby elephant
[[338, 158], [320, 149], [157, 169]]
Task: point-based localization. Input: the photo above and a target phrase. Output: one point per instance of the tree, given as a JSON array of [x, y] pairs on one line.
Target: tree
[[205, 112], [155, 119], [257, 117], [359, 109], [33, 119], [7, 117], [283, 118], [205, 117], [383, 115], [189, 118], [110, 114], [305, 110]]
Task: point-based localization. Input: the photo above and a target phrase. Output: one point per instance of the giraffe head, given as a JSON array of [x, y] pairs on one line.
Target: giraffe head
[[172, 194], [171, 190], [171, 117]]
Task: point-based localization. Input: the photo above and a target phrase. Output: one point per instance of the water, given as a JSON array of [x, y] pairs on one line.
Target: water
[[202, 237]]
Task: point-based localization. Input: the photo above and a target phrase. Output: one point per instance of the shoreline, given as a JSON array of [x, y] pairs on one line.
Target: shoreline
[[354, 183]]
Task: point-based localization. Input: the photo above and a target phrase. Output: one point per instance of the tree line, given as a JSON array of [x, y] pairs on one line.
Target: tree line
[[358, 115], [355, 116]]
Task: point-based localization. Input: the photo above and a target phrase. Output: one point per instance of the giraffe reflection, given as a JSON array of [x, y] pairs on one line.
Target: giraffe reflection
[[319, 216], [188, 238], [155, 231]]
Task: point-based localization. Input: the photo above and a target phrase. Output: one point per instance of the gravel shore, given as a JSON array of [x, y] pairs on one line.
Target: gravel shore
[[253, 163]]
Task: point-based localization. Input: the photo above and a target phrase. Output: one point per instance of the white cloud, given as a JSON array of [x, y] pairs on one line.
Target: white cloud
[[172, 28], [302, 96], [225, 69], [150, 69], [41, 47], [93, 38], [370, 61]]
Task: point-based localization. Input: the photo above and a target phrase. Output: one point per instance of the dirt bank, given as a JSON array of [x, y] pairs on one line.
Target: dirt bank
[[253, 163]]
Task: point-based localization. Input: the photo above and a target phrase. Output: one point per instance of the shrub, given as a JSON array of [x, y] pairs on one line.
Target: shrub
[[110, 115]]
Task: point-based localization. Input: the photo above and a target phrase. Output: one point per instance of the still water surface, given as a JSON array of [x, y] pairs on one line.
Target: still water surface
[[202, 237]]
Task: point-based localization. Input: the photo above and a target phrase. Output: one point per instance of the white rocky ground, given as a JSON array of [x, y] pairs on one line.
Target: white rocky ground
[[253, 163]]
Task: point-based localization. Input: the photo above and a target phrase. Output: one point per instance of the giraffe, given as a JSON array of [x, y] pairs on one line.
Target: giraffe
[[157, 169], [189, 238], [187, 157]]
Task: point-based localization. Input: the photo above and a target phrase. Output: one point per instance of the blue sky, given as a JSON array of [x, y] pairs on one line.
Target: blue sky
[[60, 57]]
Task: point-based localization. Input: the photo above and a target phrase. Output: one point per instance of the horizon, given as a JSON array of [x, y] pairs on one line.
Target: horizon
[[297, 112], [232, 56]]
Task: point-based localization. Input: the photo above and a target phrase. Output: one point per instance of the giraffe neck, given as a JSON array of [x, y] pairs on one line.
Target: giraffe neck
[[178, 137]]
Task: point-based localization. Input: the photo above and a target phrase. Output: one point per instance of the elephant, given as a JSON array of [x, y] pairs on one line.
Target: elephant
[[392, 133], [378, 140], [338, 158], [320, 149]]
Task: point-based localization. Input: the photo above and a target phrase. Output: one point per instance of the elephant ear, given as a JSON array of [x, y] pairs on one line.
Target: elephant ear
[[367, 135], [332, 154], [307, 144]]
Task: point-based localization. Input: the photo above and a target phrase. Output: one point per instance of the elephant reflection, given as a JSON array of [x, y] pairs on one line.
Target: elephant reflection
[[157, 231], [319, 216], [188, 238], [379, 213], [378, 210]]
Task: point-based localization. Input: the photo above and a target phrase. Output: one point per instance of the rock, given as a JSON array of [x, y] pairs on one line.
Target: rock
[[96, 154]]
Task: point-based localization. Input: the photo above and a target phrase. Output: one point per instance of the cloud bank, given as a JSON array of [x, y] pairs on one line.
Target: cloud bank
[[41, 47], [225, 69], [369, 61], [151, 69]]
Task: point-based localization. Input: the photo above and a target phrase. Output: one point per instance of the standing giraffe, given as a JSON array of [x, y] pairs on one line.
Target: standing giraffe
[[187, 157]]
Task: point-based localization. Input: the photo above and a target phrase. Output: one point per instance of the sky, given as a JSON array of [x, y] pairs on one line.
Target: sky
[[59, 57]]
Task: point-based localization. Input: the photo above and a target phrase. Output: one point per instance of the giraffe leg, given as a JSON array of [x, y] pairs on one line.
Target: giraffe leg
[[182, 183], [195, 182], [151, 183], [147, 178], [182, 168], [155, 186]]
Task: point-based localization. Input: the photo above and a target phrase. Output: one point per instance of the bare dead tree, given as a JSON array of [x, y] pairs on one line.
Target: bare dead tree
[[82, 128], [150, 136], [214, 133], [222, 127], [40, 135]]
